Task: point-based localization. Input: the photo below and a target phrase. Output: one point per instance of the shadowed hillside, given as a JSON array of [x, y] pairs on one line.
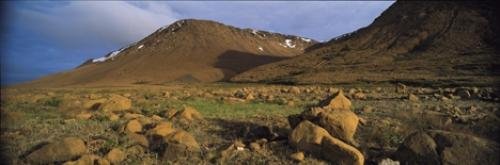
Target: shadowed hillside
[[414, 42]]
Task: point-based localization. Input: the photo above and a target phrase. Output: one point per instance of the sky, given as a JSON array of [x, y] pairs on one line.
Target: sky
[[39, 38]]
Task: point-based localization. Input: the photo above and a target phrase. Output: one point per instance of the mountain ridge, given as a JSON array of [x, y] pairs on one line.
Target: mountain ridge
[[423, 43], [189, 49]]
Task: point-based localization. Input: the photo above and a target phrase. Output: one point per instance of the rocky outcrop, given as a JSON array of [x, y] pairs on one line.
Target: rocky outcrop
[[443, 147], [316, 140], [328, 131], [60, 151]]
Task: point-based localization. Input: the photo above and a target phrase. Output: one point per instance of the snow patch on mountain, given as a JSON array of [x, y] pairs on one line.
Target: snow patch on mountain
[[288, 44], [305, 39], [109, 56], [261, 49], [254, 31]]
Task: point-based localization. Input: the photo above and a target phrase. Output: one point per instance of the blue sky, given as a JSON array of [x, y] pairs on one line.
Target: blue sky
[[44, 37]]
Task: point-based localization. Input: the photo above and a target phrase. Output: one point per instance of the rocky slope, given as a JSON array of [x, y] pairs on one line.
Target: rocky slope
[[413, 42], [187, 51]]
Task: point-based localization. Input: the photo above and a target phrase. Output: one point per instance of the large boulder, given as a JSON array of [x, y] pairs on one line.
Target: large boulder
[[116, 156], [338, 102], [341, 124], [443, 147], [180, 144], [313, 139], [116, 103], [133, 126], [138, 139], [67, 149], [418, 148]]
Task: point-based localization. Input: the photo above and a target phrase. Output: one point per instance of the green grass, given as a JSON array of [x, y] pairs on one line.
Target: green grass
[[219, 109]]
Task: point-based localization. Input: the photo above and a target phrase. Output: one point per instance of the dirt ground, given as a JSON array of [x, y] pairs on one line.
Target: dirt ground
[[239, 113]]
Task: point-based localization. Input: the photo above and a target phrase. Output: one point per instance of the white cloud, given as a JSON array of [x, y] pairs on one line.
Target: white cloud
[[86, 24]]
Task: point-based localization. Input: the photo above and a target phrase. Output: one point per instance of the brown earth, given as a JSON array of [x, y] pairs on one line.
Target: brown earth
[[432, 43], [187, 51]]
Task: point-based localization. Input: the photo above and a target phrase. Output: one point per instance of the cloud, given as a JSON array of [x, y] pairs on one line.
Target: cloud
[[87, 24]]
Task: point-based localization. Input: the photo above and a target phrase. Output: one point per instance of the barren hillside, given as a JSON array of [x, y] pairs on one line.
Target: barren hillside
[[186, 51], [414, 42]]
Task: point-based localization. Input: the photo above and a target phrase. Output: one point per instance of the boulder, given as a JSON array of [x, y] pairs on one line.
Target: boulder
[[189, 114], [133, 126], [116, 103], [112, 116], [443, 147], [316, 140], [180, 144], [116, 156], [418, 148], [183, 137], [162, 129], [341, 124], [297, 156], [102, 161], [67, 149], [337, 102], [138, 139], [294, 90]]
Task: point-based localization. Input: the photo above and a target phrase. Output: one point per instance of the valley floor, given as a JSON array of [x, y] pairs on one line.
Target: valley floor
[[232, 114]]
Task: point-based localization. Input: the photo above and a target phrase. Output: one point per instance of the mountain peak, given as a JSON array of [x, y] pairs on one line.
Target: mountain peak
[[190, 23], [186, 50]]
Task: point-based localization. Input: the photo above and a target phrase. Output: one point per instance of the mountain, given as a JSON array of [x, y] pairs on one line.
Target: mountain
[[433, 43], [186, 51]]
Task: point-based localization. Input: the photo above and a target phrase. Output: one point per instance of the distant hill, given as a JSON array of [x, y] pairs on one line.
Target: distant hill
[[185, 51], [415, 42]]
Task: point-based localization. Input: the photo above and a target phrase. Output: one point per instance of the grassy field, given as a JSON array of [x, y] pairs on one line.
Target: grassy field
[[31, 117]]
